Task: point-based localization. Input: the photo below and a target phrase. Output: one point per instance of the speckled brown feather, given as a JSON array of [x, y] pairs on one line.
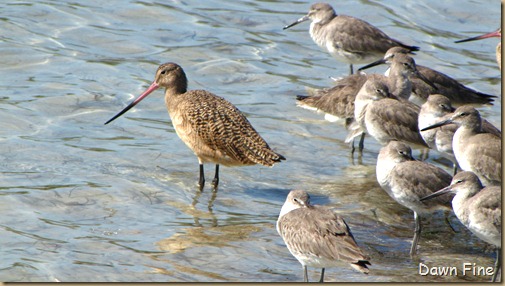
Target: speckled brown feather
[[221, 126]]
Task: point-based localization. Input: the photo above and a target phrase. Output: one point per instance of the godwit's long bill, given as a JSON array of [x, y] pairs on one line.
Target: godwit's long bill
[[211, 126], [495, 34]]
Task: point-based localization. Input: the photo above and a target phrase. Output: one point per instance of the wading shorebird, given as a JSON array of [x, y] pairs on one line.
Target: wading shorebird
[[318, 237], [441, 83], [436, 109], [407, 180], [347, 38], [338, 102], [478, 208], [475, 150], [211, 126]]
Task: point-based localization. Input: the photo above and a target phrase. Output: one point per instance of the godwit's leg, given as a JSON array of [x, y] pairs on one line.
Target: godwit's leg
[[201, 181], [305, 276], [321, 280], [215, 181]]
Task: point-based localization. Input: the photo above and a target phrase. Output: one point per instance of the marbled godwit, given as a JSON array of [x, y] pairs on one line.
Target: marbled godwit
[[497, 34], [211, 126], [436, 109], [441, 83], [474, 150], [407, 181], [316, 236], [346, 38], [478, 208]]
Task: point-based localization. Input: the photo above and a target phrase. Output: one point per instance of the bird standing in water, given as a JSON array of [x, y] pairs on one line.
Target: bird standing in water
[[211, 126], [347, 38]]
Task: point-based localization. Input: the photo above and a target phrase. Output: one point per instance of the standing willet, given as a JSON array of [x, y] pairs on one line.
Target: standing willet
[[474, 150], [346, 38], [316, 236], [386, 118], [211, 126], [441, 83], [436, 109], [497, 34], [478, 208], [339, 101], [407, 181]]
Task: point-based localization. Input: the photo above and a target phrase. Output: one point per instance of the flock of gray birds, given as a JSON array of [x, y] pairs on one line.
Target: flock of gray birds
[[410, 106]]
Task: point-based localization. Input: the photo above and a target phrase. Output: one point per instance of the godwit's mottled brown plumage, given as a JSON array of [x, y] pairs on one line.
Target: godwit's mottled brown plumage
[[211, 126], [497, 34], [441, 84], [316, 236], [346, 38], [407, 181], [478, 208], [475, 150]]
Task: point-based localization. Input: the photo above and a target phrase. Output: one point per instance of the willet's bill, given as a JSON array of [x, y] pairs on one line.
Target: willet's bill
[[318, 237], [346, 38], [211, 126], [407, 181], [478, 208], [496, 34], [457, 93], [474, 150]]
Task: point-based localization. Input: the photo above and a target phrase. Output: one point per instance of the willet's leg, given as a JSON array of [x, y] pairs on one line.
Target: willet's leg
[[417, 234], [497, 265], [305, 276], [447, 214], [321, 280], [201, 181], [352, 147], [351, 70], [215, 181], [361, 144], [454, 168]]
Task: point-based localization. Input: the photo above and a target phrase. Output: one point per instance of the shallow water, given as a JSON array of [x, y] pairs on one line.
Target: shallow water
[[81, 201]]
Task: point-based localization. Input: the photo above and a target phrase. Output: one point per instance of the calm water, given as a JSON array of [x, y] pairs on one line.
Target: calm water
[[81, 201]]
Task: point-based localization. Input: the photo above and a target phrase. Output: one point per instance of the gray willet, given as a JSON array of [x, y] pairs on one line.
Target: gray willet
[[211, 126], [338, 102], [347, 38], [436, 109], [478, 208], [317, 237], [407, 181], [496, 34], [441, 83], [474, 150], [386, 118]]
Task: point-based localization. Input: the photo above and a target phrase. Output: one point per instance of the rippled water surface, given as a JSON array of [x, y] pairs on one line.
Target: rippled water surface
[[81, 201]]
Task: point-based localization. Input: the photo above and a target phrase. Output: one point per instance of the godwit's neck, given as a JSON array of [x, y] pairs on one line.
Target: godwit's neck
[[173, 96]]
